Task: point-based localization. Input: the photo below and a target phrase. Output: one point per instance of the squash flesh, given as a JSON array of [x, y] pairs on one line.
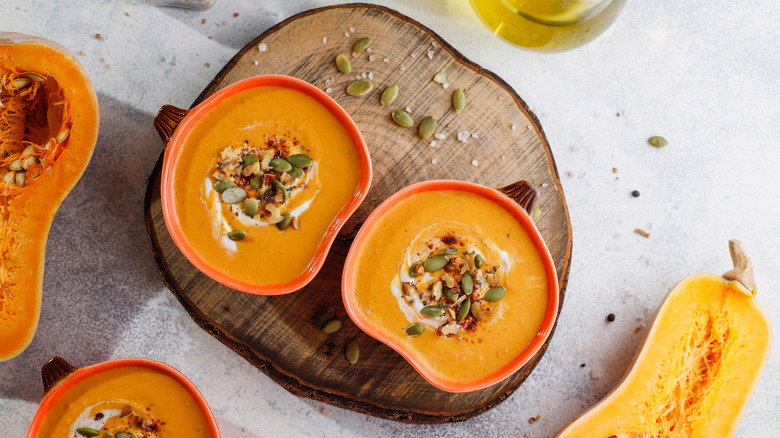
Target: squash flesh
[[49, 112], [693, 377]]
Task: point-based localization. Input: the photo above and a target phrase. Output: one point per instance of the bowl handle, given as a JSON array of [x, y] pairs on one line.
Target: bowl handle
[[167, 119], [54, 371], [522, 192]]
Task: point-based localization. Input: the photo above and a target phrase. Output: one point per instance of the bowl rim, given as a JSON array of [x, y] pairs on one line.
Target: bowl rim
[[174, 148], [68, 382], [550, 314]]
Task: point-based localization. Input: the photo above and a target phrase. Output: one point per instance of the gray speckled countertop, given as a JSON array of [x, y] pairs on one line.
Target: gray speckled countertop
[[702, 74]]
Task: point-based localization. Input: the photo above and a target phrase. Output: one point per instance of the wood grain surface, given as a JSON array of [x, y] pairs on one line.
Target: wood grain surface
[[277, 334]]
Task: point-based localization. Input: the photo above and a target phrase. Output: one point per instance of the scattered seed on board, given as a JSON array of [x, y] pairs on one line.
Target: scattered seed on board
[[459, 100], [359, 88], [657, 141], [343, 64], [352, 351], [536, 214], [332, 326], [389, 95], [361, 44], [403, 118], [427, 127], [440, 77]]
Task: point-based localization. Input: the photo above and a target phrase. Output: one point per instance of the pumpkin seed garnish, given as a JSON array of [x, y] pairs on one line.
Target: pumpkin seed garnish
[[427, 127], [359, 88], [323, 316], [403, 118], [285, 222], [279, 186], [464, 309], [353, 351], [432, 310], [221, 186], [300, 160], [389, 95], [256, 182], [108, 435], [440, 77], [251, 207], [280, 165], [296, 172], [495, 294], [415, 329], [361, 44], [450, 294], [133, 435], [122, 435], [237, 235], [233, 195], [248, 160], [343, 64], [412, 269], [478, 261], [439, 261], [87, 431], [459, 100], [332, 326], [657, 141], [467, 284], [450, 250], [536, 214]]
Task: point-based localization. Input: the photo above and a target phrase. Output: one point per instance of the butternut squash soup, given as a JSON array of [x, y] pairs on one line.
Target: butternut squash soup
[[125, 401], [455, 278], [259, 180]]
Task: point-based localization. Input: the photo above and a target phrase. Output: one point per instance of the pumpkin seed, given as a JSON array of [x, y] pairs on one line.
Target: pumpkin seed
[[413, 268], [35, 76], [476, 311], [296, 172], [251, 207], [467, 284], [223, 185], [16, 165], [285, 222], [415, 329], [122, 435], [389, 95], [234, 195], [464, 309], [21, 178], [279, 186], [403, 118], [478, 261], [361, 44], [62, 136], [300, 160], [20, 84], [427, 127], [332, 326], [536, 213], [450, 294], [133, 435], [323, 316], [353, 351], [440, 77], [495, 293], [256, 182], [658, 141], [9, 177], [280, 165], [248, 160], [459, 100], [108, 435], [450, 250], [432, 310], [436, 262], [87, 431], [343, 64], [237, 235], [359, 88]]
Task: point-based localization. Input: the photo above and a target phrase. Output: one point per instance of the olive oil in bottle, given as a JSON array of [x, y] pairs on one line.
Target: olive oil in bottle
[[548, 25]]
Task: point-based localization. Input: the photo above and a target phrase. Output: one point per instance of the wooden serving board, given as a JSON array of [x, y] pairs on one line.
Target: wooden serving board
[[277, 334]]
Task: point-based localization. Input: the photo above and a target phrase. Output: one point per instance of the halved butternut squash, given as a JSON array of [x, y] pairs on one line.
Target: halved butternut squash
[[698, 366], [48, 129]]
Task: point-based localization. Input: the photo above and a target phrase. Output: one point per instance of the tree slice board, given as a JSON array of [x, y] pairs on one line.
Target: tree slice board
[[505, 144]]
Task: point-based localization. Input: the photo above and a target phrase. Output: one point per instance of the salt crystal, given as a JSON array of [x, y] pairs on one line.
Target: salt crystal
[[371, 58], [328, 90], [430, 54], [439, 136], [530, 128], [386, 60], [408, 110], [327, 81], [544, 185], [262, 47], [402, 69], [514, 126], [571, 174], [474, 135], [434, 161], [503, 157], [364, 75], [368, 49], [351, 29], [474, 163], [463, 136], [433, 43], [500, 97], [414, 55], [371, 75], [346, 34], [257, 62], [354, 54], [433, 144], [324, 40], [358, 77], [445, 85]]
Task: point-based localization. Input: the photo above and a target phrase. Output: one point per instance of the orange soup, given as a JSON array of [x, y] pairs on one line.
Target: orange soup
[[260, 179], [454, 277], [129, 400]]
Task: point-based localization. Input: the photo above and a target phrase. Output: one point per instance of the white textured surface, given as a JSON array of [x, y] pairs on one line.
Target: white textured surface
[[702, 74]]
